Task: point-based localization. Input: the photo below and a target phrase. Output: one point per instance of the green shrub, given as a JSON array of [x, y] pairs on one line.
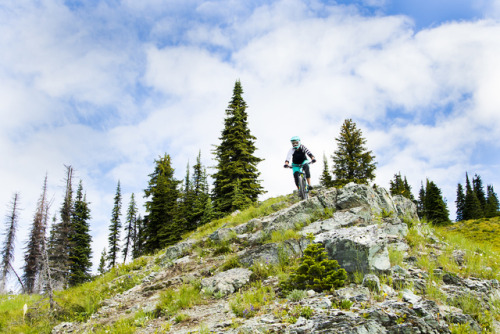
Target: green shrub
[[231, 262], [296, 295], [315, 272], [248, 303]]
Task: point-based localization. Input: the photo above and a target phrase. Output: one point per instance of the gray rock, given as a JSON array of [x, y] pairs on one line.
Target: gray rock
[[357, 248], [354, 195], [353, 293], [359, 216], [410, 297], [227, 282], [405, 208], [176, 251]]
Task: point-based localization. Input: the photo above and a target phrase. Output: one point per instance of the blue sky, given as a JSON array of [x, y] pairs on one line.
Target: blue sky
[[108, 86]]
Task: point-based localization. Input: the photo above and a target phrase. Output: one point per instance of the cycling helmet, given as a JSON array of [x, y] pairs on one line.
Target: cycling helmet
[[295, 141]]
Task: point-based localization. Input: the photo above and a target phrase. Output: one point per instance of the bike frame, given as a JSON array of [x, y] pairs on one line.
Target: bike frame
[[303, 187]]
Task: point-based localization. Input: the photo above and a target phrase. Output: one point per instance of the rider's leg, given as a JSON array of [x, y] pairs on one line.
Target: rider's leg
[[308, 174]]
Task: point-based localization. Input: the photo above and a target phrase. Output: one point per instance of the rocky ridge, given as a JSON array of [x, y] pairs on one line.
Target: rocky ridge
[[363, 226]]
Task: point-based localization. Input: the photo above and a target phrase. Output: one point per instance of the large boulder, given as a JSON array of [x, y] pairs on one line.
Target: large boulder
[[227, 282], [354, 195], [356, 248]]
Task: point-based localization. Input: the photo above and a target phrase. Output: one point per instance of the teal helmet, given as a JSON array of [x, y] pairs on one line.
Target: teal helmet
[[295, 141]]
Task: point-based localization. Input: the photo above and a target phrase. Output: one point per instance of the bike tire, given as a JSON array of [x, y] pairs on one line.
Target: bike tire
[[302, 188]]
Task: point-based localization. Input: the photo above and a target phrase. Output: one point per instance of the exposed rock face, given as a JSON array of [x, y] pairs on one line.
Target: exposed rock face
[[366, 222], [227, 282]]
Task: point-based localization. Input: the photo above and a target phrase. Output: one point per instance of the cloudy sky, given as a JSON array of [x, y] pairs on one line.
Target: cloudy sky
[[108, 86]]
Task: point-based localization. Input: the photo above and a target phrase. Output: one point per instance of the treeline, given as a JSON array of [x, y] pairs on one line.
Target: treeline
[[173, 207]]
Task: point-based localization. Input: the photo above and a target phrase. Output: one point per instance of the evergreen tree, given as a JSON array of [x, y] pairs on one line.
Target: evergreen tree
[[236, 183], [8, 245], [200, 192], [492, 208], [114, 229], [401, 187], [477, 187], [352, 162], [185, 217], [326, 179], [33, 256], [472, 206], [434, 205], [420, 202], [161, 227], [139, 238], [102, 262], [80, 253], [59, 243], [130, 228], [460, 203]]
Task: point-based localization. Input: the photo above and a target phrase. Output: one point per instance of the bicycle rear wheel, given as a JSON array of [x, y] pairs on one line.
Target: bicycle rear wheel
[[303, 187]]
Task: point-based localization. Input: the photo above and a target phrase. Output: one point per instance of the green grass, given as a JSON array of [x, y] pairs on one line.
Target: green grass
[[481, 260], [258, 210], [73, 304], [248, 303], [172, 301], [482, 231]]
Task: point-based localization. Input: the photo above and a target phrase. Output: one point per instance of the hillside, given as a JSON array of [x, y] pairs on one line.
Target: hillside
[[404, 276]]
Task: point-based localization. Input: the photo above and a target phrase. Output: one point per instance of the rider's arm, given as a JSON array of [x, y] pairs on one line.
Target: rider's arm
[[289, 156]]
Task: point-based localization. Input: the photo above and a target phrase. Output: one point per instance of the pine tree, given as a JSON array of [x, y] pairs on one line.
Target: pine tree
[[139, 238], [326, 179], [80, 253], [185, 213], [434, 205], [492, 208], [477, 187], [130, 228], [59, 243], [472, 206], [161, 227], [114, 229], [200, 192], [420, 202], [352, 162], [33, 256], [460, 203], [8, 245], [102, 262], [237, 174], [401, 187]]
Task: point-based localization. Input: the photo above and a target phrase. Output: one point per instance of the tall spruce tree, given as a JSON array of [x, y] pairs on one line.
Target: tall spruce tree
[[326, 179], [130, 228], [434, 205], [102, 262], [420, 202], [492, 208], [80, 252], [236, 183], [401, 187], [59, 243], [139, 238], [352, 161], [472, 206], [9, 243], [460, 203], [161, 227], [114, 229], [200, 192], [477, 187], [33, 256]]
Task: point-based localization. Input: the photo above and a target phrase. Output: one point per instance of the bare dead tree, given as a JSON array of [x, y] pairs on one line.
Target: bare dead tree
[[8, 247]]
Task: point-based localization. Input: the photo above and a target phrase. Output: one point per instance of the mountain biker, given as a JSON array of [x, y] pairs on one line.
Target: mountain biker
[[298, 155]]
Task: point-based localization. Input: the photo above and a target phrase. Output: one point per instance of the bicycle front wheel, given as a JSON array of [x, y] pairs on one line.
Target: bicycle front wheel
[[303, 187]]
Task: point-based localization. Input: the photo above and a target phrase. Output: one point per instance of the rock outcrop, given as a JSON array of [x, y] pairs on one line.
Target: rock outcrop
[[358, 225]]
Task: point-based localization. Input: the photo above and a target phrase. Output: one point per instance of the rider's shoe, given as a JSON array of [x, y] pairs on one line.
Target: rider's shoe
[[310, 187]]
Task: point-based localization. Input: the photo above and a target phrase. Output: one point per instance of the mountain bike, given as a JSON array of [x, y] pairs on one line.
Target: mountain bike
[[303, 187]]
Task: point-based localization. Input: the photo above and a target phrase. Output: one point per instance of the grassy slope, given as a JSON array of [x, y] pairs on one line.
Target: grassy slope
[[479, 239], [485, 231]]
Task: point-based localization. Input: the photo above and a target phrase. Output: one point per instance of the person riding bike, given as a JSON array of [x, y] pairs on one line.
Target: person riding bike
[[298, 155]]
